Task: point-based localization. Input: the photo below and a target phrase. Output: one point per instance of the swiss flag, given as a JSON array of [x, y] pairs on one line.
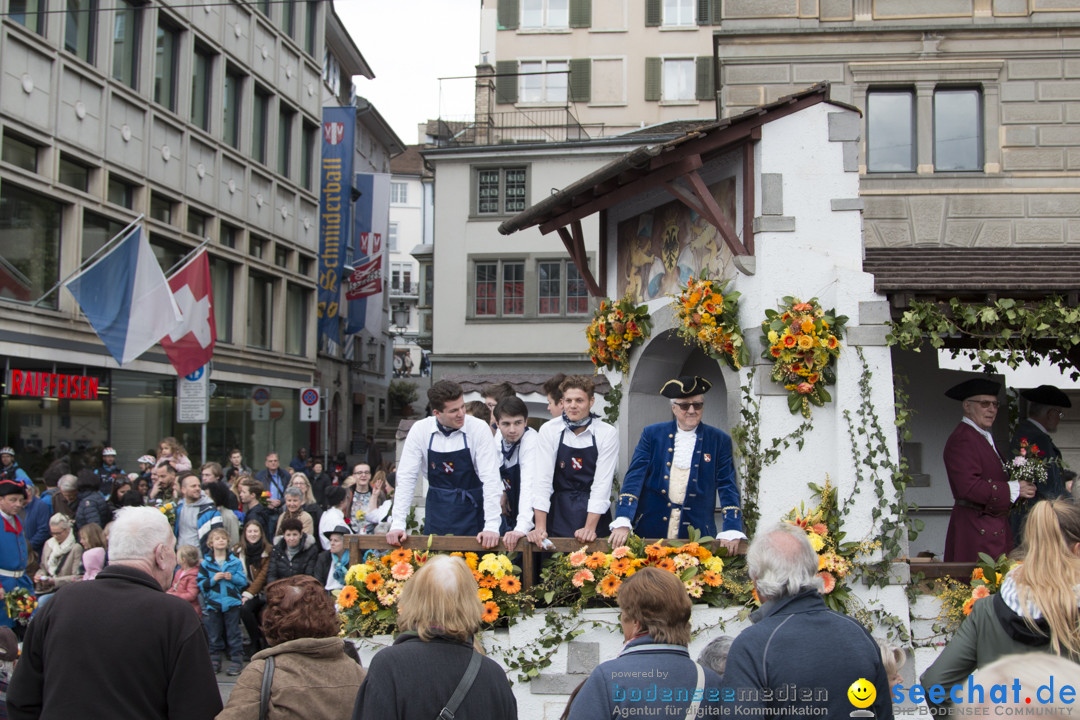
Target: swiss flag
[[190, 344]]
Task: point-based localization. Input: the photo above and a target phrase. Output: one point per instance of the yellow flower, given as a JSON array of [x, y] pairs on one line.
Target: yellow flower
[[774, 337], [483, 594], [367, 607], [714, 564], [805, 342], [815, 541], [491, 565]]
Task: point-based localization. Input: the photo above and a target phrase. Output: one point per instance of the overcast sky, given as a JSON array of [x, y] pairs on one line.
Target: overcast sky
[[410, 44]]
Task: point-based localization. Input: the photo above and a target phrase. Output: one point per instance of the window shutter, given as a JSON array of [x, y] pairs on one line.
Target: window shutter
[[652, 13], [580, 80], [717, 11], [580, 13], [703, 12], [705, 89], [506, 81], [509, 15], [652, 78]]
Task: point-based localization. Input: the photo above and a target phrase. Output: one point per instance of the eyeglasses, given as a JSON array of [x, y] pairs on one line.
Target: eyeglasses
[[687, 406], [985, 404]]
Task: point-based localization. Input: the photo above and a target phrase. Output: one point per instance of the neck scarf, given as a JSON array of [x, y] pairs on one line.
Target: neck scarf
[[253, 553], [575, 424], [508, 448], [341, 566], [59, 552], [444, 430]]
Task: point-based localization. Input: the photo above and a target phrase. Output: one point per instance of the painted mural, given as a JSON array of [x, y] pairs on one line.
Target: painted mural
[[660, 249]]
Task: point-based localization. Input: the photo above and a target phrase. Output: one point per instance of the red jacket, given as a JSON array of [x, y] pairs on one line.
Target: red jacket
[[978, 478], [185, 585]]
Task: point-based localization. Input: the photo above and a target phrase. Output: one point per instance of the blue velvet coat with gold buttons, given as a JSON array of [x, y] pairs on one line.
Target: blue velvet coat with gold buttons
[[644, 499]]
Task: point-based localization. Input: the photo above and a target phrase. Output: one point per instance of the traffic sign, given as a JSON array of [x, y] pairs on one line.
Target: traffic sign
[[277, 410], [309, 404], [193, 397], [260, 403]]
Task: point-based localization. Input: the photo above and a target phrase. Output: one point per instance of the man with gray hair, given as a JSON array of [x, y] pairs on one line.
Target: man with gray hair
[[799, 657], [124, 612]]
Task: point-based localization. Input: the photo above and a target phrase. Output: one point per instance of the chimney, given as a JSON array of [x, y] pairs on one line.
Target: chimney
[[485, 101]]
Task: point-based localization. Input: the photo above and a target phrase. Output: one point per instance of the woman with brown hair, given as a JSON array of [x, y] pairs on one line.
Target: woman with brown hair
[[1037, 608], [172, 451], [254, 553], [313, 677]]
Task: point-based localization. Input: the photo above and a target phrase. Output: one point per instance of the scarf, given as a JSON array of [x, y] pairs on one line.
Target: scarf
[[59, 552], [447, 432], [253, 554], [508, 449], [575, 424], [341, 566]]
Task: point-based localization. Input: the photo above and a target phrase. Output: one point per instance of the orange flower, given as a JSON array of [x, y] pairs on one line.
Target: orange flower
[[510, 584], [596, 560], [757, 599], [812, 378], [775, 351], [609, 586], [801, 307], [968, 605], [476, 576], [367, 607], [400, 555], [577, 559], [483, 594], [712, 579], [832, 343], [621, 566], [820, 528], [401, 571], [581, 577], [789, 341], [978, 574], [979, 593], [690, 549], [488, 581], [491, 612], [807, 325], [654, 551], [829, 581], [373, 581], [347, 596], [620, 552], [666, 564]]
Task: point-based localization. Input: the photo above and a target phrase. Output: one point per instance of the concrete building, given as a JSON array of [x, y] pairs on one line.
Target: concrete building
[[412, 210], [207, 120]]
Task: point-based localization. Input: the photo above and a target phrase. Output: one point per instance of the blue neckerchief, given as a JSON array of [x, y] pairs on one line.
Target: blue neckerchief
[[508, 448], [445, 430], [575, 424], [341, 566]]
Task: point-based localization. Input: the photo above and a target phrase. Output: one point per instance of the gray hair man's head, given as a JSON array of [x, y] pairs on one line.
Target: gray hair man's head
[[68, 483], [60, 520], [782, 562], [136, 532], [714, 656], [294, 492]]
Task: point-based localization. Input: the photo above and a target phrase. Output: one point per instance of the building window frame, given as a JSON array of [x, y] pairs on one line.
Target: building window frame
[[545, 15], [674, 14], [510, 183], [167, 41], [569, 290], [260, 310], [80, 29], [399, 193], [30, 14], [260, 124], [202, 79], [975, 120], [543, 81], [678, 80], [127, 51], [882, 109]]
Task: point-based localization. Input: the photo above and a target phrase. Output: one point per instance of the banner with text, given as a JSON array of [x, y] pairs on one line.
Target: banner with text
[[335, 218], [371, 220]]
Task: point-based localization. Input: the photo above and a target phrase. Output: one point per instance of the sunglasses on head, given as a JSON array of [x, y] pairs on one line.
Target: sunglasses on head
[[686, 406]]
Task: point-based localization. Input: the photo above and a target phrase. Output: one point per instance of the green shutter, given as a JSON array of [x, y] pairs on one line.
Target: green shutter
[[580, 13], [509, 15], [652, 78], [506, 82], [705, 90], [580, 80], [717, 11], [652, 13], [703, 12]]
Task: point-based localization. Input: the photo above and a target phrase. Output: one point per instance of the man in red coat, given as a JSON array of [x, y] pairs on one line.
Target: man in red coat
[[982, 492]]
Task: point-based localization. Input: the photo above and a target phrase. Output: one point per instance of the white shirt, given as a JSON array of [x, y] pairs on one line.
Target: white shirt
[[1014, 485], [327, 522], [525, 457], [485, 459], [607, 446]]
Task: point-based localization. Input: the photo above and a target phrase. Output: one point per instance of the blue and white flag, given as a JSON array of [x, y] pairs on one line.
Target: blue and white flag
[[126, 298]]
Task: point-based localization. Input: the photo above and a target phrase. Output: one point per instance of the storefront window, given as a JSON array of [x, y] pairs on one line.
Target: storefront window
[[29, 245]]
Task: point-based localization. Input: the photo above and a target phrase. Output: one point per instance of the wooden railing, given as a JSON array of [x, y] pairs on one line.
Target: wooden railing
[[467, 543]]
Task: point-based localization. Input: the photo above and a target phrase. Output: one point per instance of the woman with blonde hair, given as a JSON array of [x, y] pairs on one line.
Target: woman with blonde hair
[[438, 614], [1037, 608], [61, 558]]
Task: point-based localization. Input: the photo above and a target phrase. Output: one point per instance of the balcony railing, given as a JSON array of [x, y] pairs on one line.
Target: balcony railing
[[516, 126], [404, 289]]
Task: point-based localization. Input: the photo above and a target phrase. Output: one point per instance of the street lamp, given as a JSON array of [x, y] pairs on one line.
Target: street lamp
[[401, 317]]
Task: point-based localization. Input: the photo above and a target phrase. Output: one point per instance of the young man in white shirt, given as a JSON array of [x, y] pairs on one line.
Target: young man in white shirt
[[517, 443]]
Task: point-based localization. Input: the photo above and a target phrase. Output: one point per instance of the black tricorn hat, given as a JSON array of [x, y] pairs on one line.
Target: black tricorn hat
[[685, 386], [11, 487], [972, 387], [338, 530], [1047, 395]]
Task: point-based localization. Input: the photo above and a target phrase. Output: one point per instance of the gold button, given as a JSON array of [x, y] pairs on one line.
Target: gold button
[[665, 477], [669, 464], [671, 435], [669, 450], [664, 518]]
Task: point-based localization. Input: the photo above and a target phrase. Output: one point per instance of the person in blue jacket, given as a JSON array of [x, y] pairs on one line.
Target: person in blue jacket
[[679, 470], [9, 469], [221, 581], [13, 550]]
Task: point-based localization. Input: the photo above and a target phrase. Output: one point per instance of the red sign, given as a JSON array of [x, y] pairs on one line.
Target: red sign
[[365, 280], [370, 243], [53, 385], [333, 132], [277, 410]]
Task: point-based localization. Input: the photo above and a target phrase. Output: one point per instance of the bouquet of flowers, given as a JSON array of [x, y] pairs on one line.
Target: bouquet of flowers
[[168, 509], [958, 598], [836, 558], [1029, 464], [708, 316], [368, 602], [615, 328], [803, 341], [21, 604], [581, 577]]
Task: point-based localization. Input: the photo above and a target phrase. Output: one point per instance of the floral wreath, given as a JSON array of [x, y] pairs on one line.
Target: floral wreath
[[803, 341], [615, 329], [708, 317]]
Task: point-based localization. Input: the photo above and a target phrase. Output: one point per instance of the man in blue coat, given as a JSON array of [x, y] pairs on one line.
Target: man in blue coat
[[13, 549], [679, 470]]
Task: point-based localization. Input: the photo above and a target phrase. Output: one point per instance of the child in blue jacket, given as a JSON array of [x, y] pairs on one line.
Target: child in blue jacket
[[221, 580]]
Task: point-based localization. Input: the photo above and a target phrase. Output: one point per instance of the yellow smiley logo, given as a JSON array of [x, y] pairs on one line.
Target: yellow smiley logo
[[862, 693]]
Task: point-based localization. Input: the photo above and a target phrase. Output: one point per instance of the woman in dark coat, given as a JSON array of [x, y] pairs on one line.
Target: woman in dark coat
[[92, 507], [294, 554]]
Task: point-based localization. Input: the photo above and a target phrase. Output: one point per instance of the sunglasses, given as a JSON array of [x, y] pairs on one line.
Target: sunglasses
[[687, 406], [984, 404]]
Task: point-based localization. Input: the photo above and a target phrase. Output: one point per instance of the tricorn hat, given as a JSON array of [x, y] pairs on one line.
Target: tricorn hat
[[685, 386], [11, 487], [1047, 395], [338, 530], [973, 387]]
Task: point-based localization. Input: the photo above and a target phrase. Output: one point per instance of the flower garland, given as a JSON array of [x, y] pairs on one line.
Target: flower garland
[[368, 602], [803, 341], [615, 329], [836, 559], [708, 317], [21, 604], [958, 598]]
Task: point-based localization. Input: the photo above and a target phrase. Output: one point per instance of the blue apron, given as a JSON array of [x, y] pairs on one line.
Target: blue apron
[[574, 472], [511, 480], [455, 498]]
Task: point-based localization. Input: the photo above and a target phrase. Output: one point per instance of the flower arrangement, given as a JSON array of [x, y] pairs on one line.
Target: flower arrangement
[[580, 578], [615, 329], [21, 604], [708, 317], [368, 602], [169, 511], [958, 598], [264, 498], [1029, 464], [803, 341], [836, 558]]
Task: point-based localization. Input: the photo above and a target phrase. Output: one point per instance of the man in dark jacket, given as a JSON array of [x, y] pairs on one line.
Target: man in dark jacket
[[133, 618], [250, 490], [797, 642], [294, 554], [1046, 407]]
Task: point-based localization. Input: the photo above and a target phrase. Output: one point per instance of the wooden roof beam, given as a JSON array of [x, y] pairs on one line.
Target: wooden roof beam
[[574, 240], [701, 201]]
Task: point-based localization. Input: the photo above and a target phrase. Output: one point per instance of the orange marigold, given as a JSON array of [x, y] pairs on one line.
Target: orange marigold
[[510, 585], [654, 551], [488, 581], [621, 566], [978, 574], [400, 555], [491, 612], [712, 579], [373, 581], [666, 564], [609, 586], [347, 596], [968, 605], [596, 560]]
